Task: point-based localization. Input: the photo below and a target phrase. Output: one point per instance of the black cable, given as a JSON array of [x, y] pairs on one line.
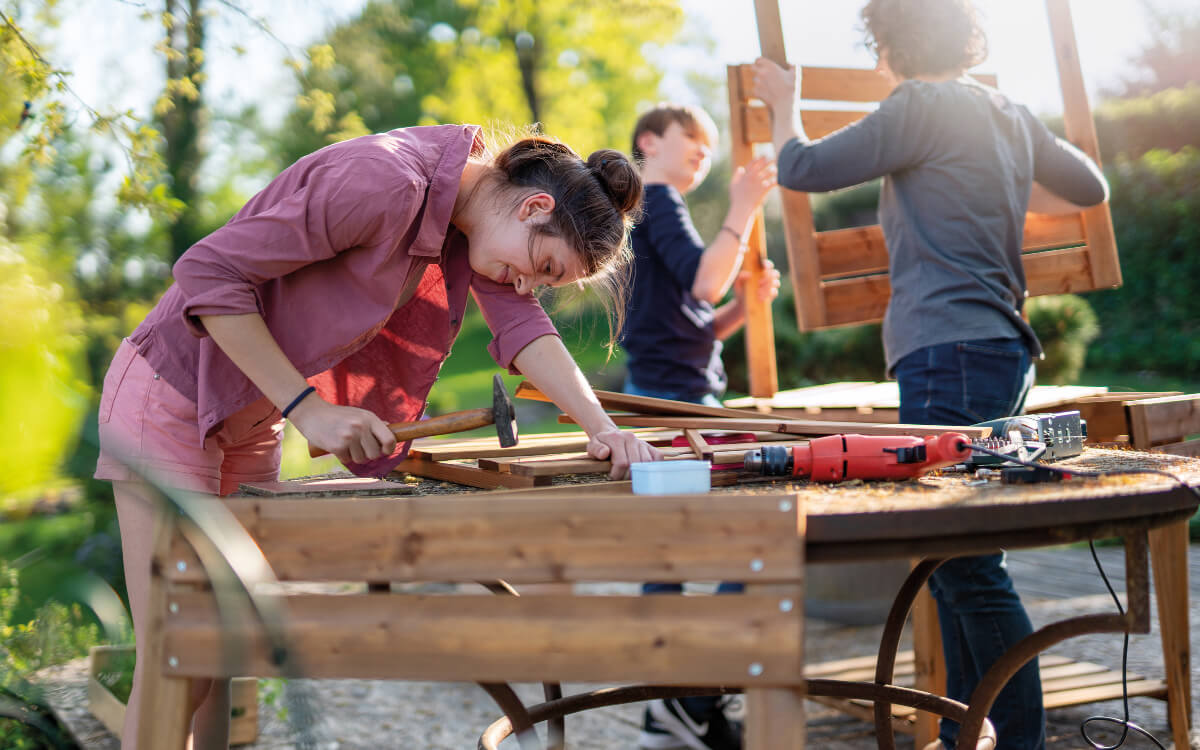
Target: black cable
[[1124, 722], [1068, 473]]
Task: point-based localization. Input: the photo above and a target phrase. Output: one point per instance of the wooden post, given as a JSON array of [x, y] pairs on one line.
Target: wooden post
[[1168, 555], [929, 663], [760, 328], [1081, 131], [164, 712]]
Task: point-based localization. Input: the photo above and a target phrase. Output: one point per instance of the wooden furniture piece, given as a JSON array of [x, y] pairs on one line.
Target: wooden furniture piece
[[840, 277], [755, 639], [765, 538], [1158, 422]]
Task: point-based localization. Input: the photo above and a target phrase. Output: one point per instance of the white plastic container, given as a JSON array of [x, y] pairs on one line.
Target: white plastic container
[[671, 477]]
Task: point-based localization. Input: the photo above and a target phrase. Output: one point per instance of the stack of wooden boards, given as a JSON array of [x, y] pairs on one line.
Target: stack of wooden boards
[[538, 459]]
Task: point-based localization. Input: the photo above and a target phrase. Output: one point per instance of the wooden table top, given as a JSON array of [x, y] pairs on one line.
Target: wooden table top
[[955, 513]]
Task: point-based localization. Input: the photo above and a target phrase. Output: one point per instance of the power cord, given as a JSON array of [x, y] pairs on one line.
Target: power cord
[[1126, 725], [1124, 722]]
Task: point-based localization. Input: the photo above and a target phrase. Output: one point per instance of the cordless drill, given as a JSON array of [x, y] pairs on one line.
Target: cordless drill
[[837, 457]]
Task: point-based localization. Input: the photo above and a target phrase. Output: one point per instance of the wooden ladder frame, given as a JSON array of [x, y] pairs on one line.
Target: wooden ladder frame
[[840, 277]]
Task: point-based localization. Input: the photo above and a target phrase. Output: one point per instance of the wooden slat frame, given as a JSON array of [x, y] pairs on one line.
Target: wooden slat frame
[[704, 640], [840, 277], [551, 537]]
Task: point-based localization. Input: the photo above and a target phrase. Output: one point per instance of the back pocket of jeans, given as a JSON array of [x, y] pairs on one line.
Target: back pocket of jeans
[[993, 382], [113, 379]]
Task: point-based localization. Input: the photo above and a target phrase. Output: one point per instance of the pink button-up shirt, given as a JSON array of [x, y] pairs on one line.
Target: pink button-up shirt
[[350, 258]]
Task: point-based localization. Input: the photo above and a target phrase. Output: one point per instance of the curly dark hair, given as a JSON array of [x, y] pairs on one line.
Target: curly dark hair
[[925, 37]]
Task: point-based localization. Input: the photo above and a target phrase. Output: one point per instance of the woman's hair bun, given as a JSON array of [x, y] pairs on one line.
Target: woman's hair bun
[[617, 175]]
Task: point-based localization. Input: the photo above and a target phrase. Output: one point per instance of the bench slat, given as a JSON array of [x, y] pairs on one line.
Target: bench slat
[[660, 639], [520, 539]]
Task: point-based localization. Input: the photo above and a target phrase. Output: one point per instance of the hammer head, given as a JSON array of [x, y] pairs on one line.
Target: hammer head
[[503, 413]]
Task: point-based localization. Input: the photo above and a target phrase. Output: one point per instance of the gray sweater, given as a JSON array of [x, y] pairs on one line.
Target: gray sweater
[[958, 161]]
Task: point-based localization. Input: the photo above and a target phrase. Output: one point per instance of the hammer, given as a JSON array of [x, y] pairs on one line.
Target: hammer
[[499, 413]]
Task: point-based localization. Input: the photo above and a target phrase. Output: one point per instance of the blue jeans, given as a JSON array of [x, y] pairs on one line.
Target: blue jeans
[[981, 616]]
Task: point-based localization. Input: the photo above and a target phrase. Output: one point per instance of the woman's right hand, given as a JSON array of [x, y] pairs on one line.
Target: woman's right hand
[[750, 185], [352, 434]]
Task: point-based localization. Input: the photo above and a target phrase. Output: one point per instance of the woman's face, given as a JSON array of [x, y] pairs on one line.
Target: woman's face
[[500, 249]]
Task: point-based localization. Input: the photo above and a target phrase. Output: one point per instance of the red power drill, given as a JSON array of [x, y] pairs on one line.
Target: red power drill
[[837, 457]]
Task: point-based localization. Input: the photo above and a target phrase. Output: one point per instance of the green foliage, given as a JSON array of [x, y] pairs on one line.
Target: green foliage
[[578, 68], [1152, 322], [1066, 325], [42, 394], [1167, 119], [1171, 58]]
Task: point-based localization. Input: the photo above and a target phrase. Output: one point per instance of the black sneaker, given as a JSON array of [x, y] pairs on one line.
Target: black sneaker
[[668, 725]]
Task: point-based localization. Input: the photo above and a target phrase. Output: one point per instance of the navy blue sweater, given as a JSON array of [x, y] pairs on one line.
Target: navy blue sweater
[[669, 333]]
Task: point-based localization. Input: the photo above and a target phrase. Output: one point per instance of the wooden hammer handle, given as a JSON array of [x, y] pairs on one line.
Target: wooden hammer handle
[[458, 421]]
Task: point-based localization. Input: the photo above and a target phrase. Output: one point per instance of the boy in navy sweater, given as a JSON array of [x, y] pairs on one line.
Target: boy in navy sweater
[[673, 332]]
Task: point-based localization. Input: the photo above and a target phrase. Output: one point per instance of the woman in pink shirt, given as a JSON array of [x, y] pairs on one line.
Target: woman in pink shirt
[[332, 299]]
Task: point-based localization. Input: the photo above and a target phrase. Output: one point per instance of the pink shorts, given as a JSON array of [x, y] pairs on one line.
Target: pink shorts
[[149, 430]]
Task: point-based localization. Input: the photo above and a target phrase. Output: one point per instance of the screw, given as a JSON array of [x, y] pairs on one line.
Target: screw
[[785, 605], [756, 669], [785, 505], [173, 662], [173, 607], [181, 566], [756, 565]]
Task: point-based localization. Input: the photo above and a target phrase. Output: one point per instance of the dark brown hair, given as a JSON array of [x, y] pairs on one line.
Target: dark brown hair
[[595, 205], [925, 37], [693, 120]]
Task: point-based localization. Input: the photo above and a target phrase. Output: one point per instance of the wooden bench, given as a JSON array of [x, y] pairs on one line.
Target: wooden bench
[[753, 640]]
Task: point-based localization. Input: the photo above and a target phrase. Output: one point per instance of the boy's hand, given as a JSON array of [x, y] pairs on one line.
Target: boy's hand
[[749, 186], [768, 284], [776, 86]]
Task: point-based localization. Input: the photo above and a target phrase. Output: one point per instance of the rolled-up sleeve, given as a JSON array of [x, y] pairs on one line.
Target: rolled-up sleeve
[[515, 320], [354, 203]]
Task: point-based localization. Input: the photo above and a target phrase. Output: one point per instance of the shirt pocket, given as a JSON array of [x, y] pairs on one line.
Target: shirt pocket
[[115, 376]]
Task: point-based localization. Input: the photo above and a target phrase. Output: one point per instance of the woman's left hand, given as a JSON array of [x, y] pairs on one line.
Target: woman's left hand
[[622, 449]]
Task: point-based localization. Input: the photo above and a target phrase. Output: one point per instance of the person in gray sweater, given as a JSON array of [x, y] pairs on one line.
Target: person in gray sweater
[[961, 164]]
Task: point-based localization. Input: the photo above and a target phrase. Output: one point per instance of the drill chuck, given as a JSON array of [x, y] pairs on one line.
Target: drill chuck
[[770, 461]]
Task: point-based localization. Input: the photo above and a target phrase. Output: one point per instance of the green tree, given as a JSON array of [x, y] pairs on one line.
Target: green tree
[[1172, 57], [578, 69]]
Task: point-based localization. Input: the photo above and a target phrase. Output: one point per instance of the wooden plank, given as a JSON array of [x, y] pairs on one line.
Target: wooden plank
[[1151, 688], [164, 708], [440, 449], [928, 662], [733, 453], [1154, 421], [698, 444], [468, 475], [1169, 558], [614, 401], [858, 300], [1057, 271], [1081, 130], [862, 250], [1186, 448], [794, 427], [328, 486], [522, 539], [775, 719], [677, 640], [760, 327]]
